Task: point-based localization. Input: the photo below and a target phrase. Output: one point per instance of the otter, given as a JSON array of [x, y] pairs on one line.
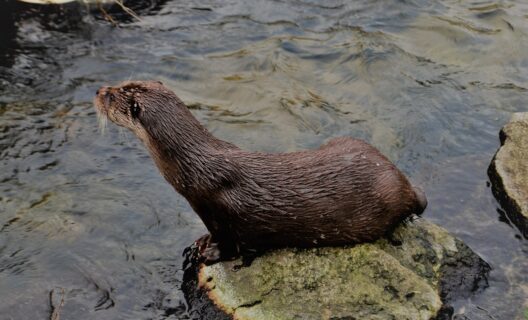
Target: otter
[[346, 192]]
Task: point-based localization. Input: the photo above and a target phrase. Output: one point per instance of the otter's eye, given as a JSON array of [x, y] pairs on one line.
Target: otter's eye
[[134, 110]]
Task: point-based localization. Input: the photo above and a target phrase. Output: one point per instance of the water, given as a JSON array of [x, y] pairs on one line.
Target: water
[[429, 84]]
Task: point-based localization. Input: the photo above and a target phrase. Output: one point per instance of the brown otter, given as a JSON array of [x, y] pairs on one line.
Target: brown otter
[[343, 193]]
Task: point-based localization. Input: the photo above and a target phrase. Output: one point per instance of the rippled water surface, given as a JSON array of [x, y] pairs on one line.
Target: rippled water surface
[[429, 83]]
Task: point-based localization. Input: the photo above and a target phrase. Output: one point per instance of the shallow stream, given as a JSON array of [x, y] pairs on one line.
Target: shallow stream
[[429, 83]]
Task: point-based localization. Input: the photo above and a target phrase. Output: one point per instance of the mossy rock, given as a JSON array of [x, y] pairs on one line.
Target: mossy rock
[[509, 171], [413, 277]]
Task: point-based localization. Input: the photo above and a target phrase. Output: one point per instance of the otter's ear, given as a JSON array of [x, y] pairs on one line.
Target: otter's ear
[[159, 82]]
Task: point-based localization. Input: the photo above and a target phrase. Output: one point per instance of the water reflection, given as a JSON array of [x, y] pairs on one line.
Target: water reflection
[[428, 84]]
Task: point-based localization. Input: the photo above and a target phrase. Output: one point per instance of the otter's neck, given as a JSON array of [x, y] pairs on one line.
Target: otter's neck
[[188, 155]]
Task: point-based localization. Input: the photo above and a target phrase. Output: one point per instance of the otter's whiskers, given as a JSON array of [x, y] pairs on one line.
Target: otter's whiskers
[[102, 120]]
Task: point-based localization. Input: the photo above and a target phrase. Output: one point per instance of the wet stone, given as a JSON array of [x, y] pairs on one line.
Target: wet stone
[[509, 171], [415, 277]]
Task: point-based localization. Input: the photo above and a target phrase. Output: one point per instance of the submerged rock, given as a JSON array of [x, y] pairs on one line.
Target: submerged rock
[[413, 277], [509, 171]]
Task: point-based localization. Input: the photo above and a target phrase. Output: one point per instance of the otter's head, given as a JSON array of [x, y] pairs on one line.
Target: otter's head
[[129, 102], [153, 112], [132, 101]]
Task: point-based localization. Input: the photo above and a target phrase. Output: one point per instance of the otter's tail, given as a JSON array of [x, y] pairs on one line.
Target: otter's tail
[[422, 200]]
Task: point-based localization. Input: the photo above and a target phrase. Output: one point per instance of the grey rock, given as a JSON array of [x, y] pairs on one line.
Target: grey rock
[[508, 171], [413, 277]]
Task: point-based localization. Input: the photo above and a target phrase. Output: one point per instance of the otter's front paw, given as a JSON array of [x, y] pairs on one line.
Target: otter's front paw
[[202, 242], [208, 250], [211, 254]]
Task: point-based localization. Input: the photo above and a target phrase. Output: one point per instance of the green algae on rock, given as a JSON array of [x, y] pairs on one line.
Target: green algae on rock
[[509, 171], [415, 278]]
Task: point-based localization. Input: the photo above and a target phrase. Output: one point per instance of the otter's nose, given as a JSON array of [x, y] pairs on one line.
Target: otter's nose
[[102, 91]]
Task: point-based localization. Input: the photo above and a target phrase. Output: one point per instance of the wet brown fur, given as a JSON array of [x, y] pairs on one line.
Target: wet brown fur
[[343, 193]]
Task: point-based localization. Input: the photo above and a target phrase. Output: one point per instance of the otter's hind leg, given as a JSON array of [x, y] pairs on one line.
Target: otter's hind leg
[[422, 200]]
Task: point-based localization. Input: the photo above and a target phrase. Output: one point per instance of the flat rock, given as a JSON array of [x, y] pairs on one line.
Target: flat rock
[[414, 276], [509, 171]]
